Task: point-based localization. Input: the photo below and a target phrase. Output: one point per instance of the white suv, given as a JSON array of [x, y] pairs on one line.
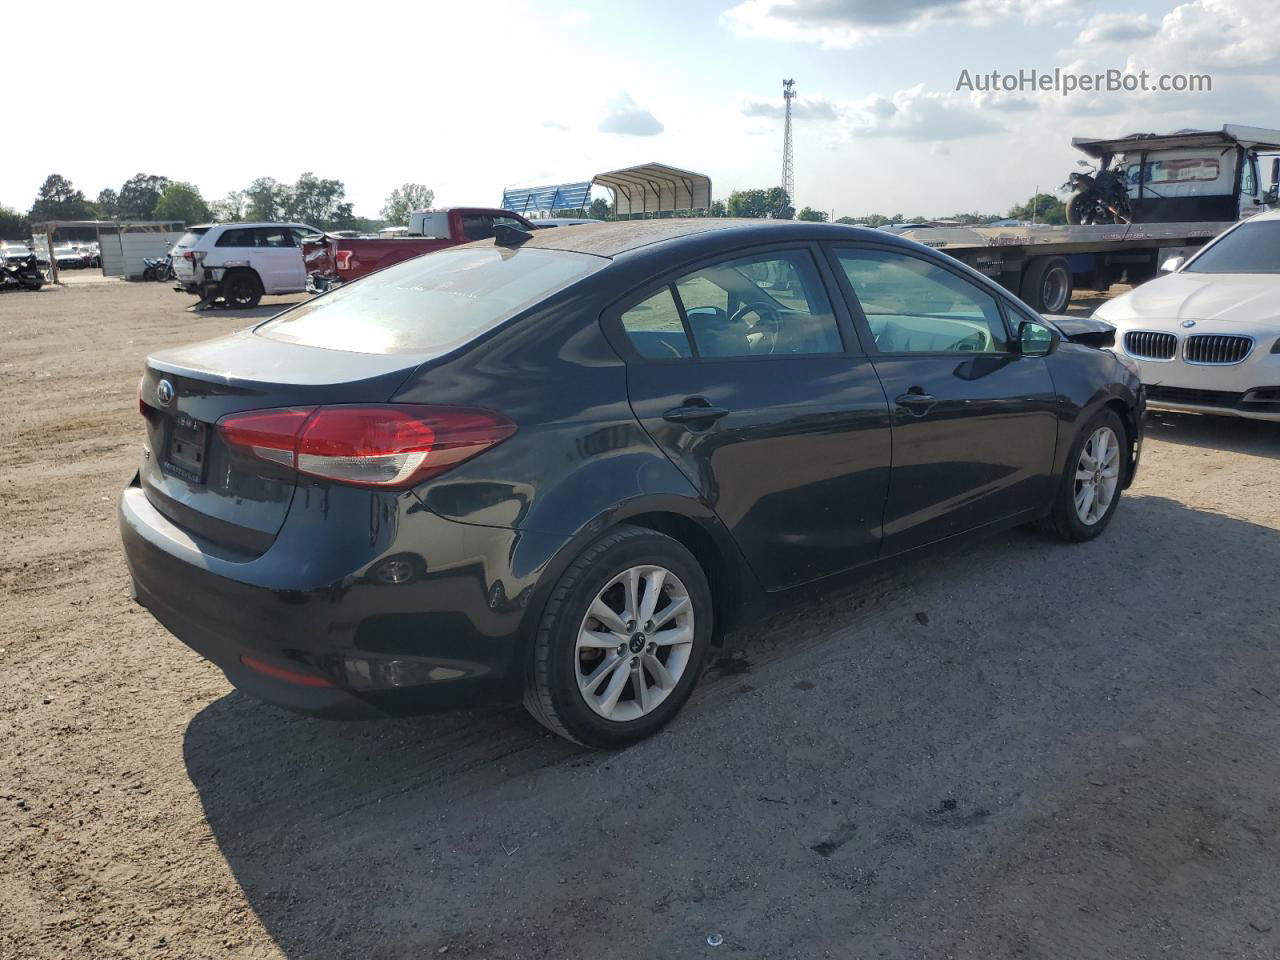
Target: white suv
[[242, 261]]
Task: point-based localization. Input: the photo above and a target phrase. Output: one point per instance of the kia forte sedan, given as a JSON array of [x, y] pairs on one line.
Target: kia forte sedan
[[1206, 337], [555, 467]]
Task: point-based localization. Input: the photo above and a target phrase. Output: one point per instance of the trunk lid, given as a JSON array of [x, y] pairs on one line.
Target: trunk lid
[[192, 476]]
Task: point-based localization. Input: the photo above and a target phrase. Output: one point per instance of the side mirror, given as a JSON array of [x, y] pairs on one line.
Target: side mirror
[[1036, 339], [1172, 265]]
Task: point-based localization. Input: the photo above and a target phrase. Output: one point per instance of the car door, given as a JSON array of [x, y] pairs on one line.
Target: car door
[[974, 421], [281, 260], [754, 386]]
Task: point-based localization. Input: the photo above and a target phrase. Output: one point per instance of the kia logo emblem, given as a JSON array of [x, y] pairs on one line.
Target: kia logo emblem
[[164, 393]]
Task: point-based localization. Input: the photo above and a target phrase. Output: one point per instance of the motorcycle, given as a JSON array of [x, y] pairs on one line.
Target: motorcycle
[[158, 268], [24, 273], [1100, 196]]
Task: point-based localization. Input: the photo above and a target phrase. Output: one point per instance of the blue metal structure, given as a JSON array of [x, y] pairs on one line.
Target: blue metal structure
[[562, 196]]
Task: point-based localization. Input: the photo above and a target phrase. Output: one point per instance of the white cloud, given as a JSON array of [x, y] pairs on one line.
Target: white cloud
[[846, 23], [1117, 28], [625, 116], [920, 115], [801, 108]]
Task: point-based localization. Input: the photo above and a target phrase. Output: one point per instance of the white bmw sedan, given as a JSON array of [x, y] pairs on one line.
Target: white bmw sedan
[[1206, 337]]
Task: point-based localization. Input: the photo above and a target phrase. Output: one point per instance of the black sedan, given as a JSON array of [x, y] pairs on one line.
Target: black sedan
[[557, 466]]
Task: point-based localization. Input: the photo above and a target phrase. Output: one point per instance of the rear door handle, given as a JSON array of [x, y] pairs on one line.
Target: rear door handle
[[695, 410], [918, 402]]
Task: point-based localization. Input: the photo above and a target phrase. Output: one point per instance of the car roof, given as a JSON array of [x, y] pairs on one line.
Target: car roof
[[618, 237], [253, 223]]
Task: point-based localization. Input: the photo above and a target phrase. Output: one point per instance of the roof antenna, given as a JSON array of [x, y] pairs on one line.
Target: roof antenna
[[505, 235]]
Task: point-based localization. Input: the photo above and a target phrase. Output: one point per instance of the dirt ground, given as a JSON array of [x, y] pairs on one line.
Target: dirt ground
[[1012, 748]]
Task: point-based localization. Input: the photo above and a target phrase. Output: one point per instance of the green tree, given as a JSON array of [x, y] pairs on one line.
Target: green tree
[[599, 209], [810, 215], [405, 199], [320, 203], [108, 203], [849, 220], [139, 196], [1043, 208], [58, 199], [756, 204], [230, 208], [266, 199], [14, 225], [778, 204], [182, 201]]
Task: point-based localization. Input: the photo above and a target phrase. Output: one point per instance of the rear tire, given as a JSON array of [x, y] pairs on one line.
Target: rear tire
[[242, 289], [1047, 284], [585, 688], [1070, 519]]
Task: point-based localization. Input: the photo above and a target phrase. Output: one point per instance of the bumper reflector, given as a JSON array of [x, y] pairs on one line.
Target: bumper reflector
[[283, 673]]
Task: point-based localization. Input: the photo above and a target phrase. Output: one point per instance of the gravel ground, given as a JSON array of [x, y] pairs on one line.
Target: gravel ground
[[1011, 748]]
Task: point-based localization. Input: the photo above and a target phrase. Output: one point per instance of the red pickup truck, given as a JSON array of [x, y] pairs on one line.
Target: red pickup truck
[[333, 260]]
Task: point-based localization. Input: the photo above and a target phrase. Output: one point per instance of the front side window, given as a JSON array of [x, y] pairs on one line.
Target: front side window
[[914, 306], [770, 304], [275, 237], [1251, 248], [476, 227]]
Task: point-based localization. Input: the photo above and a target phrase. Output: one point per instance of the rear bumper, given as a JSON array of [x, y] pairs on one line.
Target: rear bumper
[[353, 645]]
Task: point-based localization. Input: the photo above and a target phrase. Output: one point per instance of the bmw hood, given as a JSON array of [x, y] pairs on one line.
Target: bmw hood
[[1231, 297]]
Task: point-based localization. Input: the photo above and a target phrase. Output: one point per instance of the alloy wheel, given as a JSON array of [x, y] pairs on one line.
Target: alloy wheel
[[634, 643], [1097, 476]]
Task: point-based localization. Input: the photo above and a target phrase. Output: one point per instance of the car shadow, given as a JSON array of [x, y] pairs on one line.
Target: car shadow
[[1257, 438], [1010, 738], [269, 307]]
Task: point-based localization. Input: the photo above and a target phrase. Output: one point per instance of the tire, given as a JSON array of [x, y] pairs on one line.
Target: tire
[[1047, 284], [1065, 520], [242, 289], [562, 663], [149, 274]]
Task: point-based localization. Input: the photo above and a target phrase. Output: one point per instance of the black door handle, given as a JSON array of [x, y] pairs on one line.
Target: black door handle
[[916, 400], [695, 410]]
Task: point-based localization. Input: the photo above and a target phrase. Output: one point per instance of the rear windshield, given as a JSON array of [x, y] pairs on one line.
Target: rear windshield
[[431, 303], [191, 236], [1252, 248]]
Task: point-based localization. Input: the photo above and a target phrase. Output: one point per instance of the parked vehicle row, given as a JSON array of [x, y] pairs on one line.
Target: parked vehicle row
[[372, 503]]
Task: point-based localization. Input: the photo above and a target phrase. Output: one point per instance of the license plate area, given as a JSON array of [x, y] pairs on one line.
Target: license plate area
[[188, 448]]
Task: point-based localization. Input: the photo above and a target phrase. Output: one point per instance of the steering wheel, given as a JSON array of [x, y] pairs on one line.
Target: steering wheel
[[768, 317]]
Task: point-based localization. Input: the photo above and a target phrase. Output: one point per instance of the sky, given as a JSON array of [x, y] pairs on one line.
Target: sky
[[470, 97]]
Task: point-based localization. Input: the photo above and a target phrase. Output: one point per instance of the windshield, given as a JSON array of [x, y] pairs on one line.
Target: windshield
[[431, 303], [1251, 248], [191, 236]]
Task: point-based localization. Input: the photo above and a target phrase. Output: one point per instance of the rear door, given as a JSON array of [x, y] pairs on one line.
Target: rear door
[[974, 422], [754, 386]]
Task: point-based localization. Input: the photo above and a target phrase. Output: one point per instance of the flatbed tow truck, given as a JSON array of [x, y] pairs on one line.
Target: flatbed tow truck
[[1184, 189]]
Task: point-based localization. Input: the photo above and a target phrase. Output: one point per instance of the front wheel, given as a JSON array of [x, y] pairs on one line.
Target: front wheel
[[1089, 488], [622, 641]]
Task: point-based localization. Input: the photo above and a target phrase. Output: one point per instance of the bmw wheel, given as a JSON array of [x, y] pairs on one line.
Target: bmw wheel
[[622, 641]]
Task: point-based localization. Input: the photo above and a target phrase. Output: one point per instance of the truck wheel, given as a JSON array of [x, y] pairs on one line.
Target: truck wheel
[[241, 288], [1046, 284]]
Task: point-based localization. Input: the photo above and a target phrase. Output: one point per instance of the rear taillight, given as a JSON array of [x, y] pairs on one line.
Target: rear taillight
[[391, 446], [193, 255], [343, 259]]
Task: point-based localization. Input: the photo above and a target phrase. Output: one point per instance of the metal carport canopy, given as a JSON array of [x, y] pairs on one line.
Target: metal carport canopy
[[656, 188]]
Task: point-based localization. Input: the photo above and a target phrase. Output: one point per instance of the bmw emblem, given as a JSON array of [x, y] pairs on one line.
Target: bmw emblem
[[1187, 324], [164, 393]]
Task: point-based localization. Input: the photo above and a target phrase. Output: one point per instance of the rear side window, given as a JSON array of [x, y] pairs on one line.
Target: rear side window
[[192, 237], [655, 329], [433, 303], [239, 237], [767, 305]]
